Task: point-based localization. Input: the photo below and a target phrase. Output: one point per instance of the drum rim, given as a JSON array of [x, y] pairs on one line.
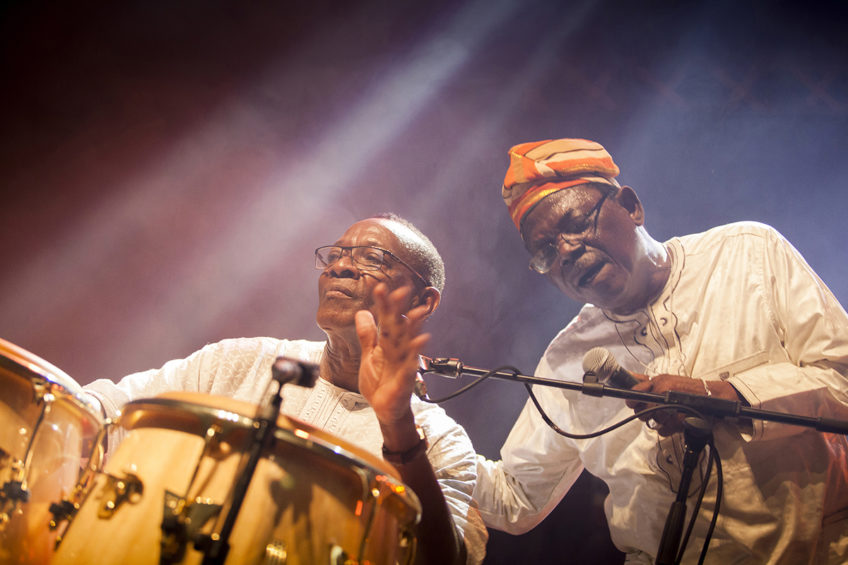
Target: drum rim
[[238, 420], [30, 363]]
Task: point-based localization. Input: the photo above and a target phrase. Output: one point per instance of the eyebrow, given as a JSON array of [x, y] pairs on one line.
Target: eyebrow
[[569, 218], [563, 221]]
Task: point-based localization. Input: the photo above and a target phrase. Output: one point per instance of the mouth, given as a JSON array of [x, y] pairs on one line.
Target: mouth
[[589, 274], [338, 291]]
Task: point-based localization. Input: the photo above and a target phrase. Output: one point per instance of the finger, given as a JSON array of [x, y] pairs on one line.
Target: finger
[[641, 377], [418, 313], [366, 330], [415, 318], [408, 360], [404, 350], [399, 295], [399, 320], [390, 306], [668, 422], [384, 318], [397, 307], [644, 386], [416, 346], [380, 301]]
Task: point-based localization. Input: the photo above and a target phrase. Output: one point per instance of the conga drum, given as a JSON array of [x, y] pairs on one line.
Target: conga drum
[[166, 490], [48, 432]]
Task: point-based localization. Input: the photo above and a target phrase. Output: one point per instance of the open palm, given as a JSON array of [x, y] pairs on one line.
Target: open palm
[[390, 348]]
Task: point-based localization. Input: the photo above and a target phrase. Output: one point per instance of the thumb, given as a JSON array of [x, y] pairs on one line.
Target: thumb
[[366, 330]]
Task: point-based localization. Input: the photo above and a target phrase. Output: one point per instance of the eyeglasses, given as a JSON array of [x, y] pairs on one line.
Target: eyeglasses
[[544, 258], [365, 257]]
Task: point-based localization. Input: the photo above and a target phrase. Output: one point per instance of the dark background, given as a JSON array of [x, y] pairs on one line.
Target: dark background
[[167, 168]]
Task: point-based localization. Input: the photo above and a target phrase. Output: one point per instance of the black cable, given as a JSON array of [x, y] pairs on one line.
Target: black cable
[[719, 492], [505, 368], [617, 425], [713, 456], [562, 432]]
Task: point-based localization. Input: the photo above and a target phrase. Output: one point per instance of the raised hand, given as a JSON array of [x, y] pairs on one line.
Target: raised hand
[[390, 348]]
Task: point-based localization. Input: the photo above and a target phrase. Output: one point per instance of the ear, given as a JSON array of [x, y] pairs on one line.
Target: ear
[[430, 296], [627, 199]]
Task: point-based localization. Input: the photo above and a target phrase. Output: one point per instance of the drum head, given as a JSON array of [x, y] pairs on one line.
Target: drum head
[[227, 408]]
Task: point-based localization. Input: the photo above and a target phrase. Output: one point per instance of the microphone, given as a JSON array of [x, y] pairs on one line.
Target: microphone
[[600, 364], [287, 370]]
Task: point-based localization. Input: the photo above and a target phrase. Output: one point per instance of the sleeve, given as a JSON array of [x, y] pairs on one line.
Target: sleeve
[[536, 470], [218, 368], [186, 374], [451, 455], [813, 330]]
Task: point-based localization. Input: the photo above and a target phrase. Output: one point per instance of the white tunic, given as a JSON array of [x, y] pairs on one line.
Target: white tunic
[[241, 369], [740, 305]]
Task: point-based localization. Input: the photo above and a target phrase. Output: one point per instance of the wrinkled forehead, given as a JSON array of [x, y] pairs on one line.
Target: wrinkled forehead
[[550, 210], [379, 232]]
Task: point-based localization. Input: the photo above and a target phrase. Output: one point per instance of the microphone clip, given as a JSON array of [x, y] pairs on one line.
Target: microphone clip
[[445, 366]]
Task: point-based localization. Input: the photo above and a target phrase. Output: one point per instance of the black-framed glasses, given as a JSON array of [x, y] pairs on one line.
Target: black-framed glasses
[[544, 258], [365, 257]]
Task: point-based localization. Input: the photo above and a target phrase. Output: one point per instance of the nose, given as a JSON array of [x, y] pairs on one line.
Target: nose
[[343, 266]]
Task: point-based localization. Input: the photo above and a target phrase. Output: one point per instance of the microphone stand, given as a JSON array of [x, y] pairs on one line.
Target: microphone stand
[[697, 431], [284, 370], [707, 405]]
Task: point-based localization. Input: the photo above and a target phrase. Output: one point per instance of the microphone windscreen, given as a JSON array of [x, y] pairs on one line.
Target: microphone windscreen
[[599, 361]]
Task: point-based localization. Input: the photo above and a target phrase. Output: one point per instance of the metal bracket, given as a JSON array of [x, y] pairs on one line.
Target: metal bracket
[[118, 490], [182, 522]]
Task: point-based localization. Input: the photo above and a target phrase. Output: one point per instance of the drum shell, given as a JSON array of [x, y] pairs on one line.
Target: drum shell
[[44, 418], [311, 494]]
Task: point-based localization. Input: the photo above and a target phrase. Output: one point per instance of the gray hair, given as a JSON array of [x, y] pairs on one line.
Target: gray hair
[[428, 262]]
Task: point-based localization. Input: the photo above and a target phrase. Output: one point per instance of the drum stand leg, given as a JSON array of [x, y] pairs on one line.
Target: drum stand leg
[[67, 509], [14, 492], [182, 521]]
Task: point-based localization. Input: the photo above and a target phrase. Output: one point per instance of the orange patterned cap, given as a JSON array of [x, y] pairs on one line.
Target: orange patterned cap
[[540, 168]]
